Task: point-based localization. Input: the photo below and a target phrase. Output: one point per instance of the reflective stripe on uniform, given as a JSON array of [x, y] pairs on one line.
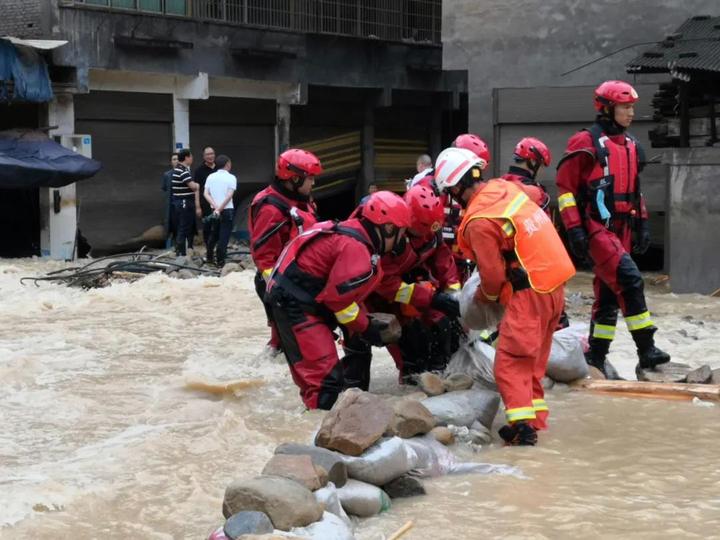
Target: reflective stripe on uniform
[[603, 331], [349, 314], [515, 204], [454, 287], [404, 293], [266, 273], [638, 322], [539, 405], [508, 228], [520, 413], [566, 200]]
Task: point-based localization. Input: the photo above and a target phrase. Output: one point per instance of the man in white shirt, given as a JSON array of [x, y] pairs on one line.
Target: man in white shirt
[[219, 189], [425, 171]]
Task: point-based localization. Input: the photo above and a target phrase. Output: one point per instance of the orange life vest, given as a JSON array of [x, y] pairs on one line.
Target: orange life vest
[[538, 247]]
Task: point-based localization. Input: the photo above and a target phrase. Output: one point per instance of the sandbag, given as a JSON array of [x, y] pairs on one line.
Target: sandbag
[[475, 358], [435, 459], [463, 407], [329, 498], [362, 499], [474, 315], [330, 527], [567, 358], [382, 462]]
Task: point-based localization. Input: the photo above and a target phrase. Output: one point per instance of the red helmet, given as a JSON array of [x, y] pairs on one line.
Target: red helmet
[[386, 207], [610, 93], [426, 210], [475, 144], [533, 149], [297, 162]]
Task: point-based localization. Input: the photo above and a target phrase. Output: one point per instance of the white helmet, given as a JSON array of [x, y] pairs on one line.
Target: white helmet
[[452, 164]]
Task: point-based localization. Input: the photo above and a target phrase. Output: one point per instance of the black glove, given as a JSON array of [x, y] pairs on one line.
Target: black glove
[[579, 246], [446, 303], [372, 333], [642, 240]]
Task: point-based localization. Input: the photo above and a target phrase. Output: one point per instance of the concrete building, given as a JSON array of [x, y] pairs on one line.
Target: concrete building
[[517, 53], [360, 83]]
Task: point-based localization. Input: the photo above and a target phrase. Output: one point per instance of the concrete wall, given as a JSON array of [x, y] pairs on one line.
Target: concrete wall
[[693, 257], [524, 43], [21, 18]]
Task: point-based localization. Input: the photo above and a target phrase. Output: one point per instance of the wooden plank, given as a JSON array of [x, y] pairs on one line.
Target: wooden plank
[[710, 392]]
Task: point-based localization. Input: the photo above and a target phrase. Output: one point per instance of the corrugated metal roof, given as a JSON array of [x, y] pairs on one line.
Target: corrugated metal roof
[[695, 46]]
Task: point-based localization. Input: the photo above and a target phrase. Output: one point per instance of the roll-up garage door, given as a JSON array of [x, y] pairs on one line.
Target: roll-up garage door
[[132, 137]]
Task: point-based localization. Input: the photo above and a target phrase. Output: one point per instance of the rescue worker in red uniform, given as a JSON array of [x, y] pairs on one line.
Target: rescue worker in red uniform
[[523, 265], [278, 214], [320, 281], [530, 155], [419, 276], [601, 207]]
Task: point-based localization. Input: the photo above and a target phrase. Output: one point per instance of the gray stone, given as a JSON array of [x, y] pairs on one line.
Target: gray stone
[[229, 268], [431, 384], [404, 486], [464, 407], [330, 461], [295, 467], [184, 273], [547, 383], [716, 376], [390, 334], [287, 503], [701, 375], [443, 435], [458, 381], [596, 374], [250, 522], [356, 421], [671, 372], [479, 434], [411, 418]]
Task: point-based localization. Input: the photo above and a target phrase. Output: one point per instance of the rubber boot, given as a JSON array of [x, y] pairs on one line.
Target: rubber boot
[[356, 364], [648, 354], [518, 434], [597, 357], [440, 346]]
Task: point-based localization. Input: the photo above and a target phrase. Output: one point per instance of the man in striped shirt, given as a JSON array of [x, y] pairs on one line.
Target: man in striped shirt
[[183, 200]]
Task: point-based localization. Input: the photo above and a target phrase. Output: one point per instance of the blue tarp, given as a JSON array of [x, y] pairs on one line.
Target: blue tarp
[[29, 160], [28, 72]]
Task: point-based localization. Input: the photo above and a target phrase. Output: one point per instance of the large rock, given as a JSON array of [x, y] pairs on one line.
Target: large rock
[[287, 503], [715, 376], [443, 435], [295, 467], [330, 461], [229, 268], [356, 421], [405, 486], [464, 407], [247, 522], [458, 381], [411, 418], [431, 384], [596, 374], [701, 375], [671, 372]]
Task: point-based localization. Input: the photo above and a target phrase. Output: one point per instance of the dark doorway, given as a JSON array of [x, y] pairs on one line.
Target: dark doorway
[[20, 222]]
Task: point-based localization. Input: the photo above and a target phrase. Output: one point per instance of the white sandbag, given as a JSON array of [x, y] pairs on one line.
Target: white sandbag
[[329, 498], [474, 315], [463, 407], [475, 358], [382, 462], [567, 360], [362, 499], [435, 459], [330, 527]]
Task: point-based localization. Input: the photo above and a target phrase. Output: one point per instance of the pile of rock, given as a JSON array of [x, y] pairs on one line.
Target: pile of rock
[[367, 452], [674, 372]]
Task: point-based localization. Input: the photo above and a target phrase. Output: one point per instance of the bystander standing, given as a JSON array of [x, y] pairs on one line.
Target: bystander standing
[[166, 186], [206, 168], [219, 190], [184, 191]]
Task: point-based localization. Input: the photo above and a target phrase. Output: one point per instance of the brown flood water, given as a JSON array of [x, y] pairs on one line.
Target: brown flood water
[[101, 440]]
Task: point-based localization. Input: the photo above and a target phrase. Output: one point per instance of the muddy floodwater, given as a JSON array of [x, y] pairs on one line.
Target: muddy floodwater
[[99, 438]]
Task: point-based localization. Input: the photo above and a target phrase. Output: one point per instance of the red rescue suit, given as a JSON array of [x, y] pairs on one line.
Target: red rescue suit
[[320, 281], [598, 188], [453, 217], [275, 217], [523, 265], [406, 289], [523, 179]]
